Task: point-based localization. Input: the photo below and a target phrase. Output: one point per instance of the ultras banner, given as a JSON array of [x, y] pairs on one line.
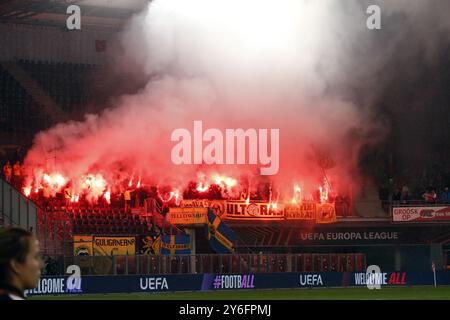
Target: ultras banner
[[190, 211]]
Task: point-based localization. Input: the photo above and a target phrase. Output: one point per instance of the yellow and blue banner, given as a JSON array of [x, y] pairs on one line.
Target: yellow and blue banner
[[82, 245], [175, 244], [221, 237], [109, 246], [156, 245]]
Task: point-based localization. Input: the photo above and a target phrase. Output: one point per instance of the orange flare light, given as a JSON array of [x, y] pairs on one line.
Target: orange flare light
[[227, 181], [107, 196], [27, 191], [202, 187]]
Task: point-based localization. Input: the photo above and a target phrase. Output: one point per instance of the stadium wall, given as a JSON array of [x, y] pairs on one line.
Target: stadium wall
[[17, 210], [209, 282], [44, 43]]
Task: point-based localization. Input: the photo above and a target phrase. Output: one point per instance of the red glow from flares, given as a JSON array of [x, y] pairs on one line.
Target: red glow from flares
[[27, 191], [323, 190], [227, 181], [93, 187], [297, 195], [107, 196], [174, 195], [202, 187], [75, 198], [56, 181], [138, 185], [96, 184]]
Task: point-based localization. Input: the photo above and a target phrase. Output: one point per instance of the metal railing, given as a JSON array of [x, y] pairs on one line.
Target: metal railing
[[210, 263], [388, 205]]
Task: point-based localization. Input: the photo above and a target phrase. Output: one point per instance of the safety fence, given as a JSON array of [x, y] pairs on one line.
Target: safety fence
[[207, 263]]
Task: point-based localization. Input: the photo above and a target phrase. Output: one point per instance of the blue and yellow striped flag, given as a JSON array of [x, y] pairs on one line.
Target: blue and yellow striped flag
[[175, 244], [221, 237]]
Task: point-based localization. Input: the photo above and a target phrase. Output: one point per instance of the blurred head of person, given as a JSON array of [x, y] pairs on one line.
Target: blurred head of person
[[20, 260]]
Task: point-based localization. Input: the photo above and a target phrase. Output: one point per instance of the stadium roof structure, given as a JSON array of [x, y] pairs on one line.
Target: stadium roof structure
[[94, 13]]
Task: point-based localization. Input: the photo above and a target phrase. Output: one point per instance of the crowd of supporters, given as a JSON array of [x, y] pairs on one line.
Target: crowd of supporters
[[12, 173], [403, 195]]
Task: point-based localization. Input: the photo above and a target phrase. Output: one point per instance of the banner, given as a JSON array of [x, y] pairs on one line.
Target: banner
[[312, 211], [303, 211], [187, 216], [175, 244], [362, 235], [206, 282], [220, 236], [146, 245], [239, 210], [82, 245], [195, 211], [217, 206], [325, 213], [83, 249], [421, 214], [108, 246], [156, 246]]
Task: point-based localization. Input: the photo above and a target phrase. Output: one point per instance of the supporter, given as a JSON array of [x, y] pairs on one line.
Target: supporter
[[430, 196], [405, 194], [50, 266], [338, 204], [445, 196], [67, 195], [383, 193], [7, 171], [397, 195], [347, 205], [243, 195], [127, 199], [17, 176], [46, 194], [142, 195]]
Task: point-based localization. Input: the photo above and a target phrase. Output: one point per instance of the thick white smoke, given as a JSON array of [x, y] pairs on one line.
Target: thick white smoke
[[288, 65]]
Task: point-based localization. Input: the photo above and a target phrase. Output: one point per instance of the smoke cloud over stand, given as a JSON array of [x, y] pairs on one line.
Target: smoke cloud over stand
[[308, 68]]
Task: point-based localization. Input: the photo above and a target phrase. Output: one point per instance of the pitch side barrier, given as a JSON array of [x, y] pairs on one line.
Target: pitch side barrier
[[216, 282]]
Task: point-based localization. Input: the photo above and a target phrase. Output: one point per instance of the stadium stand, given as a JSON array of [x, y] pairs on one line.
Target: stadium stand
[[15, 104], [66, 83], [39, 89]]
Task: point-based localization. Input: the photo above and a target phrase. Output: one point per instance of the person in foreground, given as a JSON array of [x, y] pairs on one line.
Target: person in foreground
[[20, 263]]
